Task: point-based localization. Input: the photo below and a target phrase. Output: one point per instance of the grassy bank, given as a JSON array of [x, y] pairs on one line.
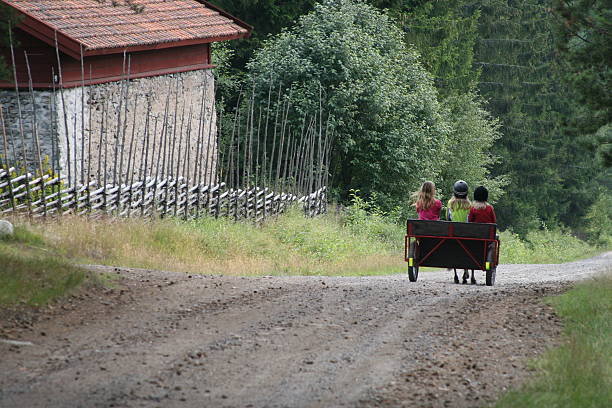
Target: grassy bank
[[39, 258], [32, 273], [545, 246], [579, 373], [289, 245]]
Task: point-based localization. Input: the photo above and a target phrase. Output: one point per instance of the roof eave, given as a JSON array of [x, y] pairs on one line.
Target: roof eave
[[74, 48], [158, 46], [43, 32], [224, 13]]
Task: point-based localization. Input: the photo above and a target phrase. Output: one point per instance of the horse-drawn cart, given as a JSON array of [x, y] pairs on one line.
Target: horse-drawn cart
[[446, 244]]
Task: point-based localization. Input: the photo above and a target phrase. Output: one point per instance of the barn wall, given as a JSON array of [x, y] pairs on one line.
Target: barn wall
[[99, 129], [20, 136]]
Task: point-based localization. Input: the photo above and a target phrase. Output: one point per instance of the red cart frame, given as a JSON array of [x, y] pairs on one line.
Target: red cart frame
[[448, 244]]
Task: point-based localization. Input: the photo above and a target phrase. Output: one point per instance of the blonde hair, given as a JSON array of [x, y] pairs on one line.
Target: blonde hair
[[479, 205], [425, 197], [455, 203]]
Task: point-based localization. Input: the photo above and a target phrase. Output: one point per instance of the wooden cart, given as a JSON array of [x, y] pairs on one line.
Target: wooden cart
[[446, 244]]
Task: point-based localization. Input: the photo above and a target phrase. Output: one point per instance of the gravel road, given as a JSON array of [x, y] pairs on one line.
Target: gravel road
[[163, 339]]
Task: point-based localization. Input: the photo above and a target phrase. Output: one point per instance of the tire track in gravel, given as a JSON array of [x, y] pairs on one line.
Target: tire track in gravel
[[169, 339]]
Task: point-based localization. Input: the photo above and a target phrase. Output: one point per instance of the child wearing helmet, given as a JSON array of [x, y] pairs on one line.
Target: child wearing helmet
[[458, 210], [427, 205], [459, 205], [481, 210]]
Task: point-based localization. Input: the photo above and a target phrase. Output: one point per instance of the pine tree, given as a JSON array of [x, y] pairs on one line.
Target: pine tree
[[519, 77]]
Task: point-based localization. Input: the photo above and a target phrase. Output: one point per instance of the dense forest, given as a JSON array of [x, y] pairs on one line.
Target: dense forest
[[514, 94]]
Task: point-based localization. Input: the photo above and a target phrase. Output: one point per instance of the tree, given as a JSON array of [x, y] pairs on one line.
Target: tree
[[472, 136], [268, 17], [584, 29], [383, 107], [549, 172], [444, 33]]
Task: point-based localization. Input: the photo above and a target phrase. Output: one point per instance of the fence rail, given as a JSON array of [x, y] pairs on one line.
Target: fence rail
[[37, 196]]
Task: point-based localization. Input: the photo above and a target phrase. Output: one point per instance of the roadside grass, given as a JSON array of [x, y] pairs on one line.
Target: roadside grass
[[33, 274], [578, 373], [288, 245], [545, 246], [352, 243]]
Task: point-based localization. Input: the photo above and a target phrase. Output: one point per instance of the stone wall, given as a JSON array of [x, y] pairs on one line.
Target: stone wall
[[109, 132], [18, 134]]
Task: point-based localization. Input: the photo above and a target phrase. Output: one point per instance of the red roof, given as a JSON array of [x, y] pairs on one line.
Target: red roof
[[100, 27]]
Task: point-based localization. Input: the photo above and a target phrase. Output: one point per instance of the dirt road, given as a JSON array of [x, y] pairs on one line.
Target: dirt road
[[162, 339]]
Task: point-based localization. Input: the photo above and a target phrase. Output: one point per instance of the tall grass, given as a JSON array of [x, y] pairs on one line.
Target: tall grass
[[544, 246], [288, 245], [579, 373], [33, 274]]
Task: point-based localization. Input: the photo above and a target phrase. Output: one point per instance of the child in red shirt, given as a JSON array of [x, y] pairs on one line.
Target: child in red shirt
[[427, 206], [482, 211]]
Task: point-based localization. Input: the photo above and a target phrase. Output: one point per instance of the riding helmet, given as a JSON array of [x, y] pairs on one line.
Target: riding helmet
[[481, 194], [460, 188]]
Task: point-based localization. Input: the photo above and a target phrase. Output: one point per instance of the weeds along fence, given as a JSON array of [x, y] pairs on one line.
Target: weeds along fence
[[158, 148]]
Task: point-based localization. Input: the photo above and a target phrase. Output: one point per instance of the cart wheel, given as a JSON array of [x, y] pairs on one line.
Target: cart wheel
[[413, 271], [490, 278]]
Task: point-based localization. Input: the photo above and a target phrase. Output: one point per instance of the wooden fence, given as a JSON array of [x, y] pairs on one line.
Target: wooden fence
[[48, 196]]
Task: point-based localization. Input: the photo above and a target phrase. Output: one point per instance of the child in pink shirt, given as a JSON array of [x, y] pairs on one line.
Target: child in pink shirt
[[427, 206]]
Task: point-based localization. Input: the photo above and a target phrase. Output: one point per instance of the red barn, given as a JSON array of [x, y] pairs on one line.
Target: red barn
[[107, 74]]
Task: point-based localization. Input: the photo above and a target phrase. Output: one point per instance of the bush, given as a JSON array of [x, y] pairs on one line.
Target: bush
[[543, 246], [599, 220], [349, 59]]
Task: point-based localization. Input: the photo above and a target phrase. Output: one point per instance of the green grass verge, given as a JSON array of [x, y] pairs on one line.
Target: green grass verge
[[356, 243], [579, 373], [31, 273], [287, 245], [545, 246]]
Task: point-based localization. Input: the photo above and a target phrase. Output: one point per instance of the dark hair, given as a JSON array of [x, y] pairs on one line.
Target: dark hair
[[481, 194]]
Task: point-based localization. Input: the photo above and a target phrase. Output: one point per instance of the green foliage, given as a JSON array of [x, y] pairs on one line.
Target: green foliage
[[599, 220], [470, 144], [35, 193], [543, 247], [33, 274], [268, 17], [583, 37], [444, 33], [578, 373], [551, 174], [382, 105], [366, 218]]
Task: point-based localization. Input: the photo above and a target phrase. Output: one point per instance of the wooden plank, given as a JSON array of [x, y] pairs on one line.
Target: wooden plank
[[19, 178]]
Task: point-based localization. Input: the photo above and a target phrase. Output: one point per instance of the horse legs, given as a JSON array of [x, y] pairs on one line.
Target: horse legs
[[473, 279], [465, 276], [456, 277]]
